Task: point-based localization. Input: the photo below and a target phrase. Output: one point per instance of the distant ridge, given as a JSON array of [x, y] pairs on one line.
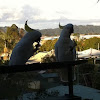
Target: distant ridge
[[82, 29], [3, 29]]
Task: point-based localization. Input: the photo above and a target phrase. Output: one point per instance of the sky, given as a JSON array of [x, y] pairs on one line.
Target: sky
[[44, 14]]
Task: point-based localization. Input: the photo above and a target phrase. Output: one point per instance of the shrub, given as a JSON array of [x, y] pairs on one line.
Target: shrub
[[48, 59]]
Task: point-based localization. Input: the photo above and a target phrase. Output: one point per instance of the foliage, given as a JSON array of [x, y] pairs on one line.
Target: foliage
[[3, 62], [21, 32], [86, 68], [81, 29], [10, 36], [48, 59], [88, 43], [16, 83], [48, 45], [76, 34], [89, 75], [80, 45], [96, 80], [91, 43], [12, 32], [1, 45]]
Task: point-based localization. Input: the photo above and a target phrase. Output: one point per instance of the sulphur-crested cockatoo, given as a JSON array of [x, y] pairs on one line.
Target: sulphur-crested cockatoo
[[65, 48], [24, 48]]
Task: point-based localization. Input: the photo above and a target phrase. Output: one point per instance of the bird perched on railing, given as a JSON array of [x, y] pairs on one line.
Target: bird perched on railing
[[65, 47], [24, 48]]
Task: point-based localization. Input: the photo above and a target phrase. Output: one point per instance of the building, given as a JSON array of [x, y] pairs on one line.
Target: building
[[88, 36]]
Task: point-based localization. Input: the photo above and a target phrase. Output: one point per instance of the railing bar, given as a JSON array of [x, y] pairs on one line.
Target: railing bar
[[38, 66]]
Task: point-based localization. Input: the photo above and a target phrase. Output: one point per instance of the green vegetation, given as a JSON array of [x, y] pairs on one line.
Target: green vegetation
[[10, 36], [48, 45], [4, 62], [81, 45], [91, 43], [48, 59], [88, 74], [14, 85], [1, 45], [88, 43], [13, 35]]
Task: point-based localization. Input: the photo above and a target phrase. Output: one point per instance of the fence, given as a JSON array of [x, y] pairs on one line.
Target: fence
[[44, 66]]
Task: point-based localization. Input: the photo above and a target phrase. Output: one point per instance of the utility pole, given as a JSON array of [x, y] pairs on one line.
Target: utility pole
[[98, 46]]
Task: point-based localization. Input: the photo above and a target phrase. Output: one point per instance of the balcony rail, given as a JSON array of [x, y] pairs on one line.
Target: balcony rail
[[44, 66], [39, 66]]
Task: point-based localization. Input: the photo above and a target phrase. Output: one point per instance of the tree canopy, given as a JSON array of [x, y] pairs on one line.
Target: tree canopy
[[48, 45], [88, 43], [10, 36]]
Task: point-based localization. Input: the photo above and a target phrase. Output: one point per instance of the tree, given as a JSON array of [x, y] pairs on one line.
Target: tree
[[13, 32], [12, 36], [48, 45], [91, 43], [88, 43], [1, 45], [3, 38], [21, 32]]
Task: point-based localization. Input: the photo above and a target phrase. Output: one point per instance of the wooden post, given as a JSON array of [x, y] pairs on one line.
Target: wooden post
[[70, 81]]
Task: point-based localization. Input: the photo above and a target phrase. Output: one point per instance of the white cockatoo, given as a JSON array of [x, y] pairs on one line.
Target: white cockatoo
[[65, 48], [24, 48]]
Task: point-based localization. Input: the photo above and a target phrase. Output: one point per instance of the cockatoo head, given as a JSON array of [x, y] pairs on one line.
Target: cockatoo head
[[67, 30], [32, 34]]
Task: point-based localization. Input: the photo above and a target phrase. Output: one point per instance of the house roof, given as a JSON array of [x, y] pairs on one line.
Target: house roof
[[89, 53]]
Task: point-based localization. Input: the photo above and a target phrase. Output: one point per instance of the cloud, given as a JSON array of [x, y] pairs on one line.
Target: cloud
[[8, 15], [42, 24], [5, 17], [19, 16], [29, 13], [42, 16]]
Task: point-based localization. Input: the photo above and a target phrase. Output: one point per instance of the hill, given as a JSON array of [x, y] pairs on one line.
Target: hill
[[82, 29], [3, 29]]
